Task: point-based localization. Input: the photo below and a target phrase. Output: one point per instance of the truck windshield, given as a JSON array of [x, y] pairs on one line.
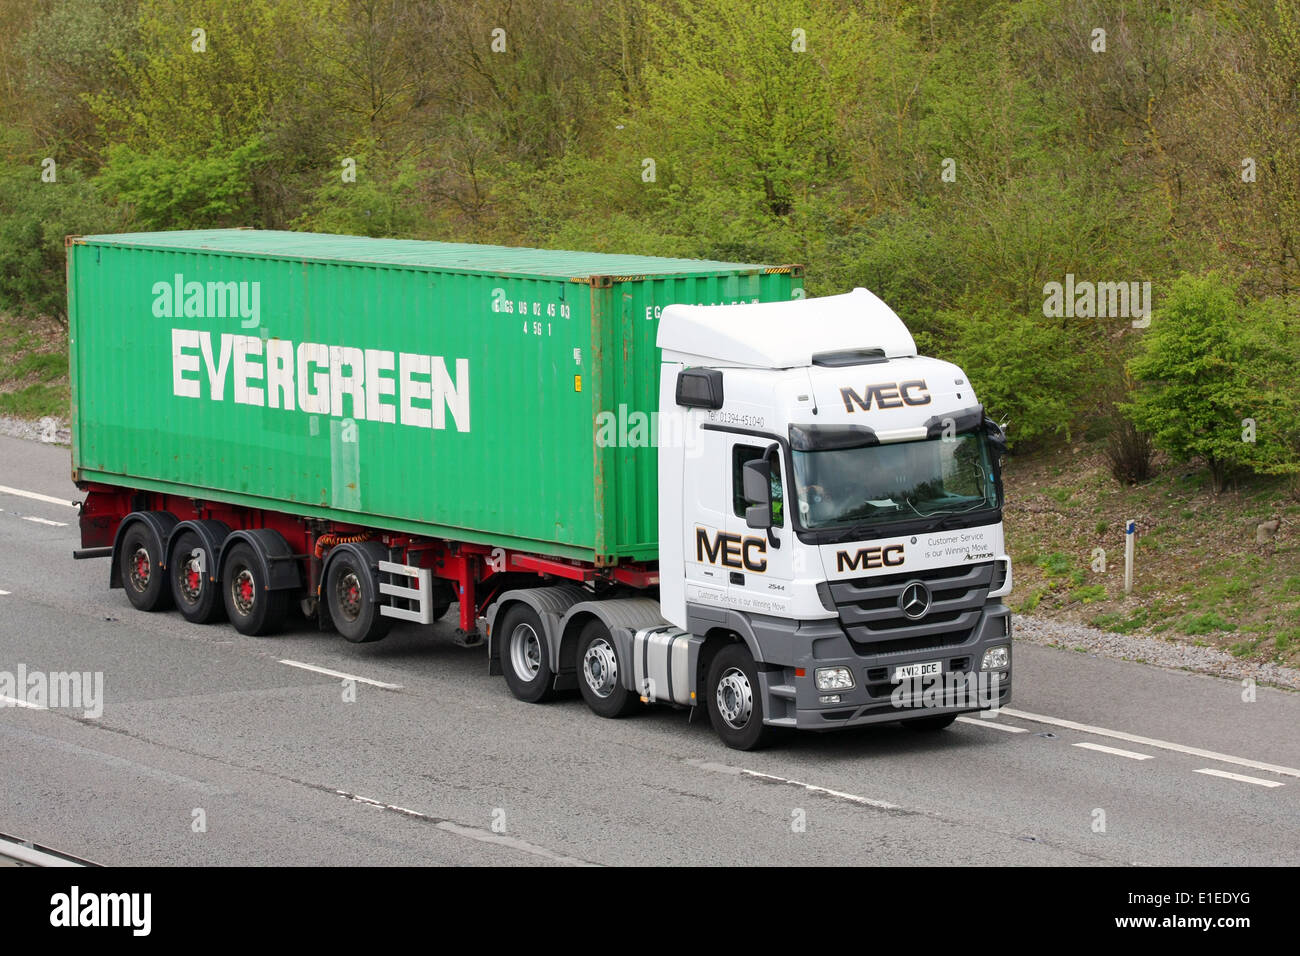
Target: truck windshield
[[893, 483]]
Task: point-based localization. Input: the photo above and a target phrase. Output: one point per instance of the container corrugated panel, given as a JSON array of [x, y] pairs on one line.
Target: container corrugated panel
[[438, 388]]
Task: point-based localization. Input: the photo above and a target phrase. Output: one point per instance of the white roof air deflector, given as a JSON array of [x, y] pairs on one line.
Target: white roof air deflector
[[782, 334]]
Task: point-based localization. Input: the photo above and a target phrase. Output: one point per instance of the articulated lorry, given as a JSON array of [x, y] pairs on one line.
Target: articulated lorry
[[657, 481]]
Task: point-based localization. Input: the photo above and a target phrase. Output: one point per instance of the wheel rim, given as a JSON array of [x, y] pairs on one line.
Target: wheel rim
[[189, 578], [525, 651], [141, 570], [243, 591], [600, 668], [349, 595], [735, 698]]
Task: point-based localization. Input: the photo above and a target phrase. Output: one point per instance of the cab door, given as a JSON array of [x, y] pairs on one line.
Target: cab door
[[758, 561], [705, 505]]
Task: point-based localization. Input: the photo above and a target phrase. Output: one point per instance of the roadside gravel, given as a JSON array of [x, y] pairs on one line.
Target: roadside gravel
[[1152, 650], [51, 431]]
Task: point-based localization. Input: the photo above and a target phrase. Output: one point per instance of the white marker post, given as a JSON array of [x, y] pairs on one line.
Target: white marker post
[[1130, 535]]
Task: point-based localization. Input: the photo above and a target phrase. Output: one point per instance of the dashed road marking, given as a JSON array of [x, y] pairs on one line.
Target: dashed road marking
[[7, 701], [35, 496], [342, 676], [471, 833], [1153, 742], [989, 722], [1101, 748], [809, 787], [36, 520], [1241, 778], [4, 593]]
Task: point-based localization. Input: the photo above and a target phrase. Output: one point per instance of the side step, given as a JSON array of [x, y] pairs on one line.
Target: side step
[[409, 590]]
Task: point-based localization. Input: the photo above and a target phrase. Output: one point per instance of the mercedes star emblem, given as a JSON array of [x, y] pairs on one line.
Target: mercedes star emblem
[[915, 600]]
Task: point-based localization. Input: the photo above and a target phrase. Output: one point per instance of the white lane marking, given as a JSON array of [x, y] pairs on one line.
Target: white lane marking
[[7, 701], [36, 520], [1242, 778], [1152, 742], [989, 722], [342, 676], [473, 833], [1132, 755], [4, 593], [6, 490], [811, 788]]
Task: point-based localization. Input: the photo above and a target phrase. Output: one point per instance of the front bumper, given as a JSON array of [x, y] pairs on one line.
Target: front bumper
[[960, 687]]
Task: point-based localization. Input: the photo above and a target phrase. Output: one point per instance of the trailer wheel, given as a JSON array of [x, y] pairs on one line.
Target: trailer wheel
[[929, 723], [735, 701], [251, 607], [598, 675], [525, 659], [190, 569], [352, 592], [143, 577]]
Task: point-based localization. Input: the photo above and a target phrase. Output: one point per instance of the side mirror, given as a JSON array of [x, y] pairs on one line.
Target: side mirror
[[996, 436], [757, 479]]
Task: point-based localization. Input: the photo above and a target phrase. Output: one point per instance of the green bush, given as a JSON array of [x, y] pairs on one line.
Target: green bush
[[1210, 372]]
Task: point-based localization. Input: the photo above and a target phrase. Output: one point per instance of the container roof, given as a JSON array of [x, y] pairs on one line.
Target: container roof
[[460, 257], [782, 334]]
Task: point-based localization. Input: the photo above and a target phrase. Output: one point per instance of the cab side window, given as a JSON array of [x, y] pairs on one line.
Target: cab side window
[[741, 454]]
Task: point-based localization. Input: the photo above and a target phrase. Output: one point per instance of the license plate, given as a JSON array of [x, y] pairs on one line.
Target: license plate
[[912, 671]]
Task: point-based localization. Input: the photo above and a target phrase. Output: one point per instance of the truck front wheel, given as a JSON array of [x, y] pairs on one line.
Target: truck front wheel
[[250, 606], [735, 700], [525, 657]]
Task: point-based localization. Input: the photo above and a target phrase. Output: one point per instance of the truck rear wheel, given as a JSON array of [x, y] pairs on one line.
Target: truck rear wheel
[[143, 578], [251, 607], [352, 591], [599, 679], [735, 700], [525, 657], [190, 570]]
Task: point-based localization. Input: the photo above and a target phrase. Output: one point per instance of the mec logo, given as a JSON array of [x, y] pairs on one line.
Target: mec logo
[[731, 550], [863, 558], [887, 395]]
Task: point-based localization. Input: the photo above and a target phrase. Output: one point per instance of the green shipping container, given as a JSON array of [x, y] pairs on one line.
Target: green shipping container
[[441, 389]]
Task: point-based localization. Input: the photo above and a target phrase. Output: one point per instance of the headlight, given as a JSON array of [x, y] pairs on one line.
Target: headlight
[[997, 658], [834, 678]]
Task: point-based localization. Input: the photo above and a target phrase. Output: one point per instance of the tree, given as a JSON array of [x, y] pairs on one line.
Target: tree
[[1217, 381]]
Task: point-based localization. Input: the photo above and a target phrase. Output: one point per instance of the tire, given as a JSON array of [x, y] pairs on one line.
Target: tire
[[598, 673], [938, 722], [250, 606], [352, 591], [525, 655], [143, 577], [194, 593], [735, 701]]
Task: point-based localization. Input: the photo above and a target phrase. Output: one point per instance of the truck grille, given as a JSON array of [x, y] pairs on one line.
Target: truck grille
[[870, 614]]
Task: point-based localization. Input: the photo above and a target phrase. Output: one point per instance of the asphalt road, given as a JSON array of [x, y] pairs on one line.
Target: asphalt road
[[211, 750]]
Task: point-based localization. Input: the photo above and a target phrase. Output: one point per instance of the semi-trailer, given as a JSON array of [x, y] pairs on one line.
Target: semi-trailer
[[657, 481]]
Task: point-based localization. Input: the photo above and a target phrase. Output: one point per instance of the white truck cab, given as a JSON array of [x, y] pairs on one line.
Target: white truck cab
[[833, 506]]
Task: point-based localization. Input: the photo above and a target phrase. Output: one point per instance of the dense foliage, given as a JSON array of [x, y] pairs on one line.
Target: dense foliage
[[955, 157]]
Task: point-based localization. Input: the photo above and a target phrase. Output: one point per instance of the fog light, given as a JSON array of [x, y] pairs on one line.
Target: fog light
[[834, 678], [830, 698], [996, 658]]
